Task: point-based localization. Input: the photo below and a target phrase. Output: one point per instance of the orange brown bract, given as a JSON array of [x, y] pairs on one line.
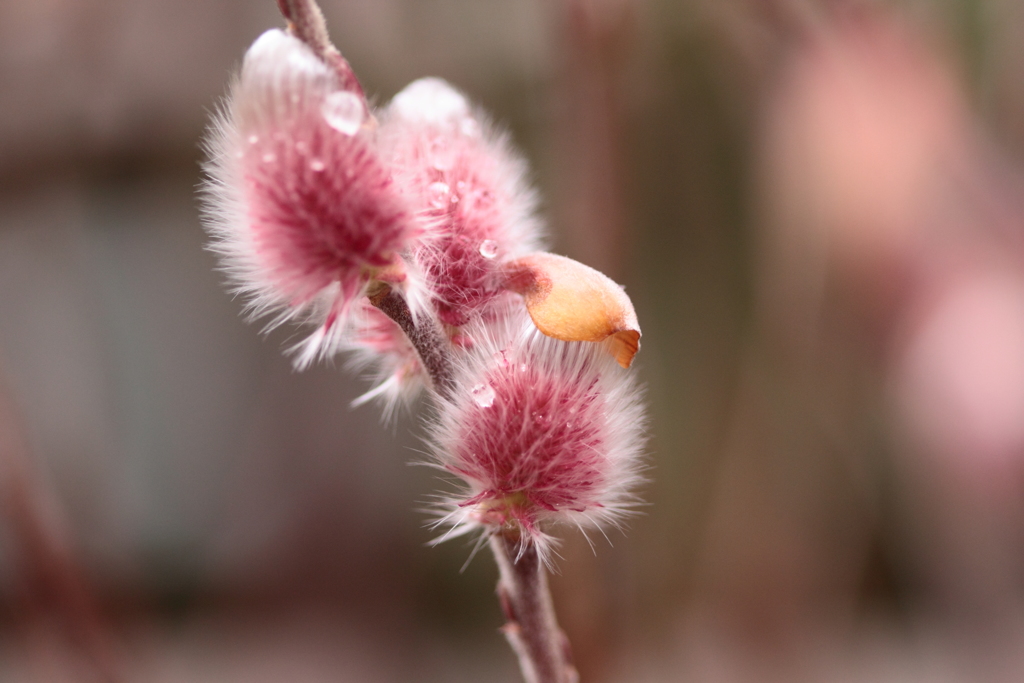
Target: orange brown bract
[[573, 302]]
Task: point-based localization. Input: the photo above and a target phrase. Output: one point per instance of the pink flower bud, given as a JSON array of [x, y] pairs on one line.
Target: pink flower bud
[[541, 431], [468, 190], [302, 210]]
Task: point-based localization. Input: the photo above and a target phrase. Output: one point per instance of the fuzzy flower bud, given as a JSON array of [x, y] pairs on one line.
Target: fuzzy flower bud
[[303, 211], [542, 431], [468, 190]]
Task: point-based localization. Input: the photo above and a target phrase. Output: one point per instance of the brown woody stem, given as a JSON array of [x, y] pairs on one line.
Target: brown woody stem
[[306, 22], [427, 337], [531, 629]]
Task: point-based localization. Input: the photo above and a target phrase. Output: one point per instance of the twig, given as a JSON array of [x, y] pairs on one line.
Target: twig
[[53, 578], [306, 22], [531, 629], [428, 338]]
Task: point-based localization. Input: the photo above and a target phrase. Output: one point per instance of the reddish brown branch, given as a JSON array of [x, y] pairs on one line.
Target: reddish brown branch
[[306, 22], [531, 629], [427, 338], [52, 578]]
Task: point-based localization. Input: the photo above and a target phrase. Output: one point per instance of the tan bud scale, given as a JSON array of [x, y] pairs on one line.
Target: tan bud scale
[[573, 302]]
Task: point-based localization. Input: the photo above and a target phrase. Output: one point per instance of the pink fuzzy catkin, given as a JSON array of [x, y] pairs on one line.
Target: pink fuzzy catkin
[[468, 189], [541, 431], [468, 192], [302, 208]]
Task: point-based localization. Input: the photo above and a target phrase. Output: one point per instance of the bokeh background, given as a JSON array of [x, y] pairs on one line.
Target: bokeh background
[[818, 209]]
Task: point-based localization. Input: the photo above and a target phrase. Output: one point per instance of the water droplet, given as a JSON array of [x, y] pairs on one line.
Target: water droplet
[[269, 158], [483, 395], [522, 367], [344, 112], [489, 249], [316, 165], [439, 194], [253, 139]]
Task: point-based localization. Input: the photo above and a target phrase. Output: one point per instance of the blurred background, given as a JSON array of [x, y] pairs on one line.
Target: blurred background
[[817, 208]]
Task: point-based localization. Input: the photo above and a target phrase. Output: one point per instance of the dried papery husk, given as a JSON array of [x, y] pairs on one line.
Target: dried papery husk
[[573, 302]]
